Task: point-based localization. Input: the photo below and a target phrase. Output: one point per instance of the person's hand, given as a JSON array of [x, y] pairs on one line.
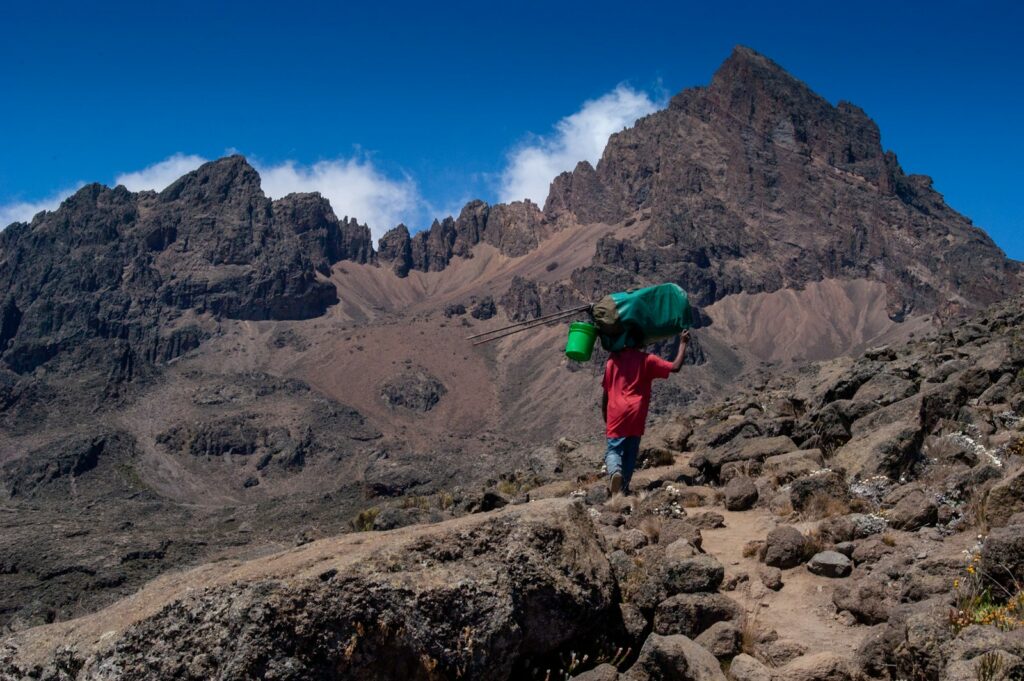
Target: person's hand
[[684, 337]]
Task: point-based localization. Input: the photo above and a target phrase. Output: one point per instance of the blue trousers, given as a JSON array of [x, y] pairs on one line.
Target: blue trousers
[[620, 457]]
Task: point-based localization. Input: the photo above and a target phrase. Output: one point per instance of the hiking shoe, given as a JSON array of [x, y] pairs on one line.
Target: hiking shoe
[[615, 484]]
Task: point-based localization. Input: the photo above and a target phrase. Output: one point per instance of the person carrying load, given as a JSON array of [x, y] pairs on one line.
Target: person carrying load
[[626, 322]]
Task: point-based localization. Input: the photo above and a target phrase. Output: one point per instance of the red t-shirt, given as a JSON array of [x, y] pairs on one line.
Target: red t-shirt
[[627, 380]]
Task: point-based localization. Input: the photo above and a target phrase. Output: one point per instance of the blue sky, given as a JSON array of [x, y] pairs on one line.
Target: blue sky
[[405, 110]]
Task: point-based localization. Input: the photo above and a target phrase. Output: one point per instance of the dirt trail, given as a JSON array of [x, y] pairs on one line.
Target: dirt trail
[[802, 610]]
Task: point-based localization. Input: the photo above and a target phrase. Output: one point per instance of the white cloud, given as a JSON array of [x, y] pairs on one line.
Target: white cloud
[[355, 187], [579, 137], [24, 211], [160, 175]]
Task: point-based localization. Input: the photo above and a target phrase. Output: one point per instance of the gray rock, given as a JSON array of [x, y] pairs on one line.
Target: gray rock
[[698, 574], [674, 657], [819, 667], [784, 547], [915, 510], [633, 620], [869, 600], [830, 564], [1005, 499], [746, 668], [691, 614], [740, 494], [771, 577], [721, 639], [1002, 556], [602, 672]]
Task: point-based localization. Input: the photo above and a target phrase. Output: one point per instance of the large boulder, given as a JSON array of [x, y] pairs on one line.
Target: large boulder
[[678, 573], [742, 449], [740, 494], [788, 467], [868, 600], [470, 597], [888, 450], [691, 614], [674, 658], [821, 488], [784, 547], [916, 509]]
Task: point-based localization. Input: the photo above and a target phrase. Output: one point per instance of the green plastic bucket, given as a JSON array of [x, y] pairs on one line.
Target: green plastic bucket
[[580, 345]]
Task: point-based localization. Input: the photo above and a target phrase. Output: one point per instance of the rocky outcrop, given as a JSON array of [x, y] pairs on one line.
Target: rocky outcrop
[[104, 280], [478, 599]]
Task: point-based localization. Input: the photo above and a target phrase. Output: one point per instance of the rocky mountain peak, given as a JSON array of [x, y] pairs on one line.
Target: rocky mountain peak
[[224, 180]]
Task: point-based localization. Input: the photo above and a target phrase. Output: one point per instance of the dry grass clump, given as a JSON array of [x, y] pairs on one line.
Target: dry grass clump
[[977, 510], [753, 548], [1016, 448], [888, 538], [822, 505], [363, 522], [750, 631], [651, 526], [784, 509], [619, 503], [514, 484], [813, 544]]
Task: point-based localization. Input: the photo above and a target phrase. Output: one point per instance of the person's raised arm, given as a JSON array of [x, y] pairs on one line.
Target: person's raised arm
[[684, 340]]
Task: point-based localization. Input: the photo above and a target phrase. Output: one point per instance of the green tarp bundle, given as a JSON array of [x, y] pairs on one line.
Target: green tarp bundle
[[637, 317]]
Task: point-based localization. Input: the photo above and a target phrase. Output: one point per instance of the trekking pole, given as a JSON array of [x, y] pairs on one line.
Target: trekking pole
[[552, 316], [526, 326]]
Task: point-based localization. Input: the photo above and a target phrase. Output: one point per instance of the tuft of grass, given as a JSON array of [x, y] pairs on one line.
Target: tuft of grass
[[990, 667], [1016, 448], [514, 484], [889, 539], [445, 500], [813, 544], [651, 526], [822, 505], [363, 522], [754, 548], [749, 631], [977, 510]]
